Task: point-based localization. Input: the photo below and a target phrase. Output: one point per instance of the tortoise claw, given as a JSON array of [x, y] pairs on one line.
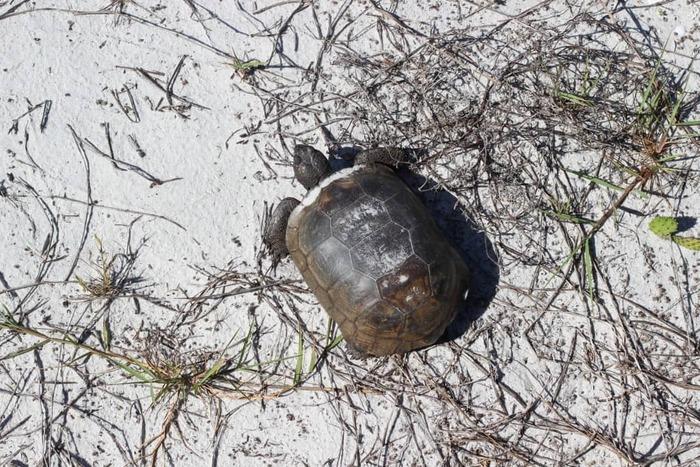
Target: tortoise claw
[[355, 353]]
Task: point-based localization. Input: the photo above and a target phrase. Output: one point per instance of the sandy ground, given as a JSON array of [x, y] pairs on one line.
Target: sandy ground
[[142, 143]]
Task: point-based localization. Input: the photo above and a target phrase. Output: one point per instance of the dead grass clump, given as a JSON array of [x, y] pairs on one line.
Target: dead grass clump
[[111, 275]]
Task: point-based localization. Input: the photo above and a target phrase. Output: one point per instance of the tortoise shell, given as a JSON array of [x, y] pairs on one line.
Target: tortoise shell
[[377, 263]]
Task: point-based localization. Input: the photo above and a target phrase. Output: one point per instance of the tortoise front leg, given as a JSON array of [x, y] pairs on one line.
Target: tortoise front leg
[[275, 232], [392, 157]]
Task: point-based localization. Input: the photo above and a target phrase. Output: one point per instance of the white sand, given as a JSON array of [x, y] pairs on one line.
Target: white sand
[[57, 408]]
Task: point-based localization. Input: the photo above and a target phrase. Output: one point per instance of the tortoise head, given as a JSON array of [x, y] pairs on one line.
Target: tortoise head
[[310, 166]]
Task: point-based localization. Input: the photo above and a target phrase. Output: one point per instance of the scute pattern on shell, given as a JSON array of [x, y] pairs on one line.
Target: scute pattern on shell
[[376, 261]]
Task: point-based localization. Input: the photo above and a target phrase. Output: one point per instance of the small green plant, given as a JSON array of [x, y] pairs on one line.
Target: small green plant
[[564, 212], [660, 124], [667, 227], [245, 68]]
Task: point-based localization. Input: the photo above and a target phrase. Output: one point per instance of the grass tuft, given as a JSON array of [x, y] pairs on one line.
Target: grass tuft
[[112, 275]]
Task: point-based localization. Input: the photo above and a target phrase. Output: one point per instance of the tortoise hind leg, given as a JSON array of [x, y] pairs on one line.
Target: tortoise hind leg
[[392, 157], [275, 232], [355, 353]]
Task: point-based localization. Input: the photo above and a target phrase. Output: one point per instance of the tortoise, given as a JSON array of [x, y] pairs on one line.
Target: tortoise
[[370, 252]]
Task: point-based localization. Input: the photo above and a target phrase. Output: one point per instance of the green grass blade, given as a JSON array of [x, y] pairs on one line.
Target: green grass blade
[[588, 267], [17, 353], [210, 373], [689, 123], [143, 376], [575, 99], [247, 342], [312, 362], [605, 183], [298, 371], [106, 334], [336, 342], [597, 180]]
